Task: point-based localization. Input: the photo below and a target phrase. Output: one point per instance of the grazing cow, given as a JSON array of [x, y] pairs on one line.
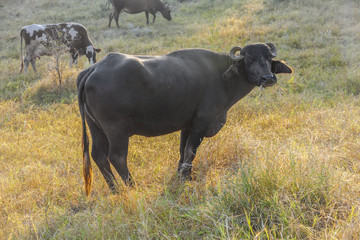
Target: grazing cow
[[137, 6], [189, 90], [43, 40]]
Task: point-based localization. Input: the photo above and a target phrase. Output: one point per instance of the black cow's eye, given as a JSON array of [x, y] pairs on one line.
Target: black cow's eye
[[248, 60]]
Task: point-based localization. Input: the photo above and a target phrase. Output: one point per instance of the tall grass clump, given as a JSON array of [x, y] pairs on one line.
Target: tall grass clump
[[260, 203], [58, 86]]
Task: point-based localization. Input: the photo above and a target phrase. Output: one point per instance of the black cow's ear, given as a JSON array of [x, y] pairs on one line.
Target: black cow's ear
[[231, 72], [280, 67]]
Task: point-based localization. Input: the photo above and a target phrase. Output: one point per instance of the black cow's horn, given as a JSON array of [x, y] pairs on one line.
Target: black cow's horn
[[233, 56], [272, 49]]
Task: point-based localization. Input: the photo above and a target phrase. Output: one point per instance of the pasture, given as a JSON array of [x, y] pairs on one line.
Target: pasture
[[285, 166]]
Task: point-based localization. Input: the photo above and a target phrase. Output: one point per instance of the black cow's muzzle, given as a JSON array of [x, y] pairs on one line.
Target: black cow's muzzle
[[267, 80]]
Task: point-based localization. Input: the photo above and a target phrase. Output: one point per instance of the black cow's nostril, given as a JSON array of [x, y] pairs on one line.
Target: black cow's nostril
[[268, 80], [269, 77]]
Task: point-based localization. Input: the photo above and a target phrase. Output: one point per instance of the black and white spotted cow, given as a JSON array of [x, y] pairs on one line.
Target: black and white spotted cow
[[43, 40]]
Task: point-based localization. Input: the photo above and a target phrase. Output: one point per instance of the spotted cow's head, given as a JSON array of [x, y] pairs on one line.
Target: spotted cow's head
[[91, 54]]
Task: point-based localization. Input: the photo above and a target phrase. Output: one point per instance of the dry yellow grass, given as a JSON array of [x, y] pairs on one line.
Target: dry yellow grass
[[297, 151]]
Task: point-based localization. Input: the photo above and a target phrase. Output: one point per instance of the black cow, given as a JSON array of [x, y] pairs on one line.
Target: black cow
[[189, 90], [137, 6]]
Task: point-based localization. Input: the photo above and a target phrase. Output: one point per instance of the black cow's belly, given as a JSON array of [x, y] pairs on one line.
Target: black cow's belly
[[152, 129], [154, 122]]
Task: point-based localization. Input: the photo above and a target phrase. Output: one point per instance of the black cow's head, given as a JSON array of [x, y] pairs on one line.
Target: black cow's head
[[256, 63], [165, 12]]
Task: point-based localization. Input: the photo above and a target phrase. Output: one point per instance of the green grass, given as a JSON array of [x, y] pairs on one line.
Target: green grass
[[285, 166]]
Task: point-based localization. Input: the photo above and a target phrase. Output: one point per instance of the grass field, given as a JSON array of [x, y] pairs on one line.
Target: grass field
[[285, 166]]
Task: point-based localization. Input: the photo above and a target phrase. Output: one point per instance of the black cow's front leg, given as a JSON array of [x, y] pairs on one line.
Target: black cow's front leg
[[183, 138], [111, 16], [116, 16], [153, 12], [147, 17], [194, 139]]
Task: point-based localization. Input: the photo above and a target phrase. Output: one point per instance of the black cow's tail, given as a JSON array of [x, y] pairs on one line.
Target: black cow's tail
[[87, 170], [21, 43]]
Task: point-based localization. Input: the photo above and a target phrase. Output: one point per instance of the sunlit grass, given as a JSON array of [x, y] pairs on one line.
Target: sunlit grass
[[296, 178]]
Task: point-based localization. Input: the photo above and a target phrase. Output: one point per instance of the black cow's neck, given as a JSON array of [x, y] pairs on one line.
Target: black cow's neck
[[237, 88]]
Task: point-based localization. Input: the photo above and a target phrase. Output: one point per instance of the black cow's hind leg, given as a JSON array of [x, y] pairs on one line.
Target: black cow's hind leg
[[119, 144], [100, 152]]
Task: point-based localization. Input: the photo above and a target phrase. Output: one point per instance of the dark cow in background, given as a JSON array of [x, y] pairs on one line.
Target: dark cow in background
[[189, 90], [42, 40], [137, 6]]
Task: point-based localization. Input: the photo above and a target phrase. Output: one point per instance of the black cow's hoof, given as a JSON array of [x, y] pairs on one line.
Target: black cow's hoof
[[184, 173], [130, 183]]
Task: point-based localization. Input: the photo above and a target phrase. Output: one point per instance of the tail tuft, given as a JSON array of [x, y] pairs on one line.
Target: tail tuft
[[88, 175]]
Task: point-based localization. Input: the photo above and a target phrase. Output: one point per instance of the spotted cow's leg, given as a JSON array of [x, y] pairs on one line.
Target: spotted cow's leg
[[26, 63], [33, 63]]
